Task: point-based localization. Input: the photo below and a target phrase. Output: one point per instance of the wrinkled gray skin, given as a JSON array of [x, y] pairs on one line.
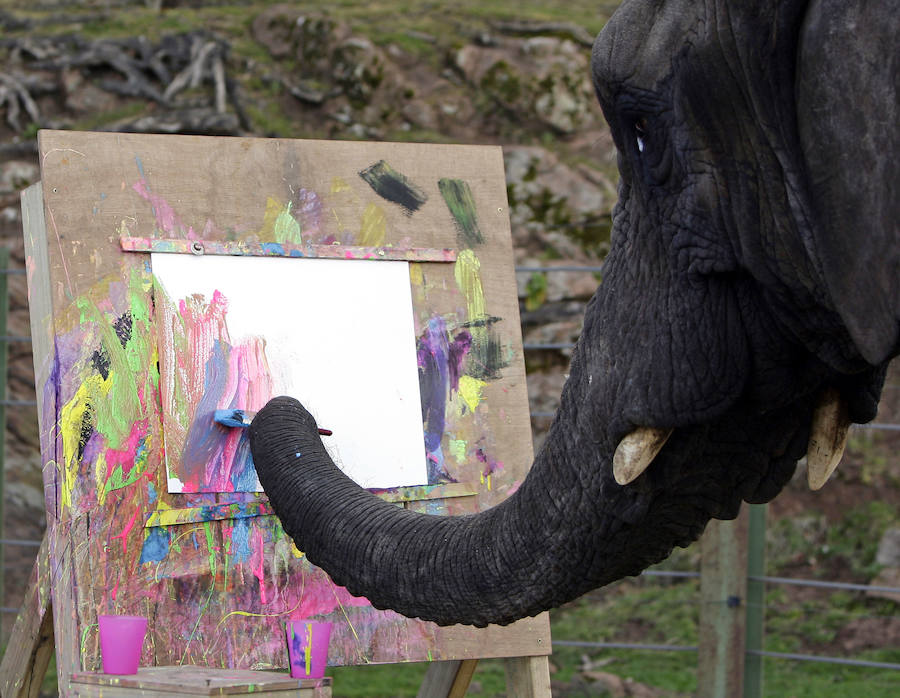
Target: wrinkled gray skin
[[754, 263]]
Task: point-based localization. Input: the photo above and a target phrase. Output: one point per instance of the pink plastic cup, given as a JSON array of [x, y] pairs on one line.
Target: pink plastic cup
[[121, 640], [308, 648]]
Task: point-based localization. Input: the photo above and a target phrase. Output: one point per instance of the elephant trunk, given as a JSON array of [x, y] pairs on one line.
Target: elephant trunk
[[535, 550]]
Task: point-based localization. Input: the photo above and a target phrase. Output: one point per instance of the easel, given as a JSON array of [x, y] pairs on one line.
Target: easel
[[102, 197]]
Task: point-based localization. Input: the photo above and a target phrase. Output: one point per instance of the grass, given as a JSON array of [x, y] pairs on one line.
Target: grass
[[381, 21]]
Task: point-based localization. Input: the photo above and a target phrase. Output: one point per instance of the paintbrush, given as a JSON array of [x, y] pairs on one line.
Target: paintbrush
[[242, 418]]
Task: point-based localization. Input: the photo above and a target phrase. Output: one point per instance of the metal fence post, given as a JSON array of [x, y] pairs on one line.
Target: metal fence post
[[756, 591]]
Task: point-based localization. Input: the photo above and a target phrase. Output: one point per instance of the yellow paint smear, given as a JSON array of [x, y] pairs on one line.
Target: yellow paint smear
[[273, 208], [100, 477], [416, 277], [372, 227], [89, 393], [338, 185], [470, 391], [467, 272]]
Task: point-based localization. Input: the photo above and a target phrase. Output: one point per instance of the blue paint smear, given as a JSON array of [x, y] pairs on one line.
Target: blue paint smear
[[204, 437], [440, 363], [243, 474], [273, 248], [433, 351], [156, 545], [151, 492], [240, 541]]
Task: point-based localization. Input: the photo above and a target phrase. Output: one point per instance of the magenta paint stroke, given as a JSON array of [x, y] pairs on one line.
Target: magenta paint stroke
[[167, 220]]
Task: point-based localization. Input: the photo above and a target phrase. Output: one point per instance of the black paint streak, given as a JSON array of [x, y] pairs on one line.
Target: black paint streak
[[100, 362], [87, 430], [123, 328], [486, 321], [485, 360], [394, 186]]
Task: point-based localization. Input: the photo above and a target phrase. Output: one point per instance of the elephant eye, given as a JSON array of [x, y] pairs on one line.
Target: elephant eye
[[640, 133]]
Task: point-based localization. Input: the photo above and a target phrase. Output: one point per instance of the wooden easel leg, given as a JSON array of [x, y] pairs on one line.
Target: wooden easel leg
[[528, 677], [31, 643], [447, 679]]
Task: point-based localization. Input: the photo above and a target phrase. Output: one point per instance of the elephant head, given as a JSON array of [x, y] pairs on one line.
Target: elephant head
[[748, 309]]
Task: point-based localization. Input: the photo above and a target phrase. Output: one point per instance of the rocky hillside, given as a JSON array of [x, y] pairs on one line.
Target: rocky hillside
[[482, 72]]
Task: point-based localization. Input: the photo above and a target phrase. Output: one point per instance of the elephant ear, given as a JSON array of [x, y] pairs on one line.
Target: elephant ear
[[848, 111]]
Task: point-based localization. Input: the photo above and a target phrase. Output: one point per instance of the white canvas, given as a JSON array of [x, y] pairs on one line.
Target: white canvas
[[339, 336]]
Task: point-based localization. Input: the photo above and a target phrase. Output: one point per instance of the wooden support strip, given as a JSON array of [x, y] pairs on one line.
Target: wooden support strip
[[261, 507], [31, 643], [447, 679], [195, 681], [238, 248], [528, 677], [423, 492]]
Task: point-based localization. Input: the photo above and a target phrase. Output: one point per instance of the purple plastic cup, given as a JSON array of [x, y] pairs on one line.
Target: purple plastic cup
[[121, 640], [308, 648]]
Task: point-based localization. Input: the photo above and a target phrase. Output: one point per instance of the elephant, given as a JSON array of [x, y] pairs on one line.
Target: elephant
[[746, 317]]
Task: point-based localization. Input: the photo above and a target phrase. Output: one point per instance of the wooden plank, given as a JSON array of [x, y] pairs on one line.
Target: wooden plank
[[529, 637], [233, 248], [30, 645], [528, 677], [199, 681], [723, 608], [246, 510], [40, 312], [447, 679], [90, 691]]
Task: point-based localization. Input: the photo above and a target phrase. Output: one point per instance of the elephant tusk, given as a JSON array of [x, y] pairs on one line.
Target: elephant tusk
[[827, 438], [636, 451]]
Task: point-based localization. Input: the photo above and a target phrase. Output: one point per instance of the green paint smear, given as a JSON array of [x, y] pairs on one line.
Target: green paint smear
[[286, 228], [133, 369], [458, 197], [84, 635], [210, 546], [458, 450]]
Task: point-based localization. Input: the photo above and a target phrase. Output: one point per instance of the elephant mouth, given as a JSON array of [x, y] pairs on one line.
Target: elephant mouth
[[828, 433]]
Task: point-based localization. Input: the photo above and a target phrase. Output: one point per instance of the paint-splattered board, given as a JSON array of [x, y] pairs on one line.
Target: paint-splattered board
[[215, 572]]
